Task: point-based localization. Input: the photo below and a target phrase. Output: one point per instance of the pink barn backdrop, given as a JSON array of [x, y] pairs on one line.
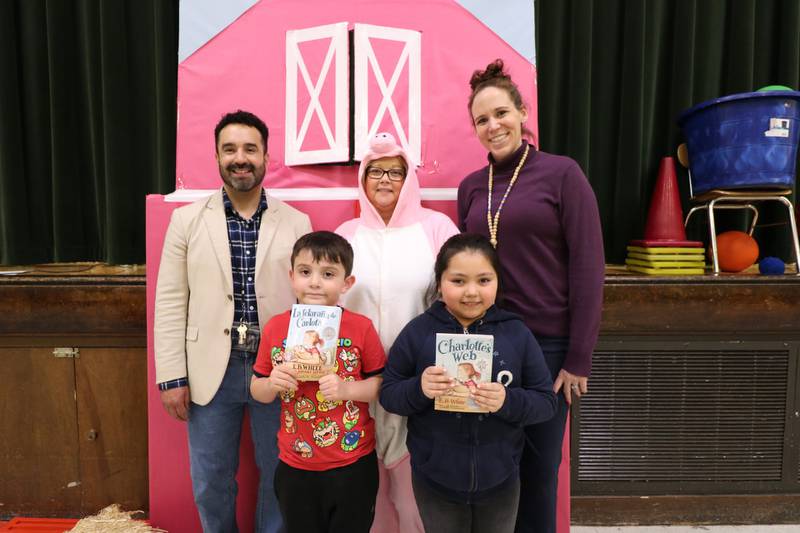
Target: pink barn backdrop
[[421, 85]]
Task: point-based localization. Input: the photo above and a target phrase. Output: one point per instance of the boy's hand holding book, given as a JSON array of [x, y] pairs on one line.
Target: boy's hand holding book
[[333, 388], [490, 396], [283, 378], [435, 382]]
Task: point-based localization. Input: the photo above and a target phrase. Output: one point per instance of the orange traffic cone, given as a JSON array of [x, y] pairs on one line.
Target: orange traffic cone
[[665, 217]]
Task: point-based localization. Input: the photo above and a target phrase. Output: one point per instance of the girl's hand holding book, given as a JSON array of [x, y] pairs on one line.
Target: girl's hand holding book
[[435, 382], [491, 396]]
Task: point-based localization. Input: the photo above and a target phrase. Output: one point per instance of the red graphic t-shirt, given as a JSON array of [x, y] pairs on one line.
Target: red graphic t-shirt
[[317, 434]]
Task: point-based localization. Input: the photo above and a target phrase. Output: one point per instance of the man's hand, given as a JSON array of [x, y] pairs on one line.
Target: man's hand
[[176, 402]]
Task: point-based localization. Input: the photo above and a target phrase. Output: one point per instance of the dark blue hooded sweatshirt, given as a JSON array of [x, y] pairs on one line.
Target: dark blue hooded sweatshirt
[[467, 457]]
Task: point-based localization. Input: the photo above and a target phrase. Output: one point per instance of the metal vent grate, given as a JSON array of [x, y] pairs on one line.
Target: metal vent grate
[[684, 416]]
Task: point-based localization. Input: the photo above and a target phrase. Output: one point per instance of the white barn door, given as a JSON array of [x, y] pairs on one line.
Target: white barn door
[[377, 80], [317, 126]]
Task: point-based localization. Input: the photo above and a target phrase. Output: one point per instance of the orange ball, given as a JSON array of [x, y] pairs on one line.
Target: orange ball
[[736, 250]]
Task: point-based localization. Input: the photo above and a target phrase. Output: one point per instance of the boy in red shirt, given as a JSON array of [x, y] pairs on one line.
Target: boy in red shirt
[[327, 474]]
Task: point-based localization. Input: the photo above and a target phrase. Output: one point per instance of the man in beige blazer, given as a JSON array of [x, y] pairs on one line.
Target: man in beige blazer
[[223, 273]]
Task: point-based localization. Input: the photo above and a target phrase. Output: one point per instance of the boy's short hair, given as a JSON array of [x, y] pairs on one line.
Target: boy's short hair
[[328, 246]]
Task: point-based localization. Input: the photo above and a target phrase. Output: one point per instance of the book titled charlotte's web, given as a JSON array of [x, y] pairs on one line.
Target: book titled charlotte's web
[[468, 359], [312, 340]]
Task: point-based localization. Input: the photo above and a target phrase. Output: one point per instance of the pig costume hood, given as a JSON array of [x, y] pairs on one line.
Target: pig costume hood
[[408, 211], [393, 266]]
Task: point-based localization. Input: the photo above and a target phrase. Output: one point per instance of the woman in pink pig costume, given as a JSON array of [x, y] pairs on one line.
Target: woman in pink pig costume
[[395, 241]]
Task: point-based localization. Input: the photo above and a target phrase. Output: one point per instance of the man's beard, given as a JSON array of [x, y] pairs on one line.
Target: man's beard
[[243, 184]]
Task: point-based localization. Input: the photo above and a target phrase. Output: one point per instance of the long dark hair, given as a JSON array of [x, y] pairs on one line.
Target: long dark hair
[[466, 242]]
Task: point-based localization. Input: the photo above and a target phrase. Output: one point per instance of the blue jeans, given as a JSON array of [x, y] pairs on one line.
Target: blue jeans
[[214, 435], [538, 470]]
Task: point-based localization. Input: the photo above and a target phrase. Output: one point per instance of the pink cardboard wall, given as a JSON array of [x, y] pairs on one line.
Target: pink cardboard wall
[[171, 504], [244, 67]]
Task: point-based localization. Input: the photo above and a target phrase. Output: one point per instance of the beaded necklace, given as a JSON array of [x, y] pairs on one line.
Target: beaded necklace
[[494, 221]]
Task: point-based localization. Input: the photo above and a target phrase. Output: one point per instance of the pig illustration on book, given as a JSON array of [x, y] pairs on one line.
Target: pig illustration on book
[[467, 379], [468, 375], [308, 352]]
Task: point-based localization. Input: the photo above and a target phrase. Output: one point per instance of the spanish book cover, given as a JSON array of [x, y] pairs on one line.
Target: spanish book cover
[[312, 340]]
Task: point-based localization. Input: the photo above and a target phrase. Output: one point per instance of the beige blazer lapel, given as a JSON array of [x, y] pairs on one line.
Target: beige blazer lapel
[[217, 227], [270, 220]]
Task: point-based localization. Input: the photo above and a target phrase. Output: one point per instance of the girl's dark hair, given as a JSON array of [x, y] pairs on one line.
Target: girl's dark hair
[[466, 242], [495, 76]]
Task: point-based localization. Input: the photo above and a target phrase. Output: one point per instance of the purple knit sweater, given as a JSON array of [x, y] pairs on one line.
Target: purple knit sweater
[[550, 246]]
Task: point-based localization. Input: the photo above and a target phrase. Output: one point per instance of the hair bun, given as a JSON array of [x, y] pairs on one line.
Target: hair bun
[[494, 70]]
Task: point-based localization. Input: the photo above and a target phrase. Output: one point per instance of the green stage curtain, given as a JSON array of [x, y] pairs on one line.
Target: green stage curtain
[[614, 75], [87, 126], [88, 91]]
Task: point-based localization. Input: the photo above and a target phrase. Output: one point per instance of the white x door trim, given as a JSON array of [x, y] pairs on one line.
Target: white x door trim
[[336, 136], [365, 60]]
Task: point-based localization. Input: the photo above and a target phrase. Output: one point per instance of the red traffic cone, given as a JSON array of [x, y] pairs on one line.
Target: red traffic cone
[[665, 217]]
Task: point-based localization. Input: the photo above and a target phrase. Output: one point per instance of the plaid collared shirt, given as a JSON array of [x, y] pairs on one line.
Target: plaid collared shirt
[[243, 241]]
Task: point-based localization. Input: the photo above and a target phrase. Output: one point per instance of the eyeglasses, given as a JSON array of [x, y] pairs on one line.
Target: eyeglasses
[[395, 174]]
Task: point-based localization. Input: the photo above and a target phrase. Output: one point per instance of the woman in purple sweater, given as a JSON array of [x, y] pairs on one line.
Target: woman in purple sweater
[[541, 214]]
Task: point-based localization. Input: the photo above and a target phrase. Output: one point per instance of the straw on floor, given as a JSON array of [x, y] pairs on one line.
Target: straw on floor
[[112, 519]]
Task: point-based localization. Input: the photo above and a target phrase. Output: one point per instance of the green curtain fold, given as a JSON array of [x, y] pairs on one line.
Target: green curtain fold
[[88, 93], [87, 98], [614, 75]]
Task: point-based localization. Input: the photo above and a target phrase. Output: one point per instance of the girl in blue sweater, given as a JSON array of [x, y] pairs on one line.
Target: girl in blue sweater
[[465, 466]]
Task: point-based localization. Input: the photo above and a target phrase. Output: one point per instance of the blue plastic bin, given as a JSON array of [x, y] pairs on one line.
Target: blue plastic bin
[[743, 141]]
